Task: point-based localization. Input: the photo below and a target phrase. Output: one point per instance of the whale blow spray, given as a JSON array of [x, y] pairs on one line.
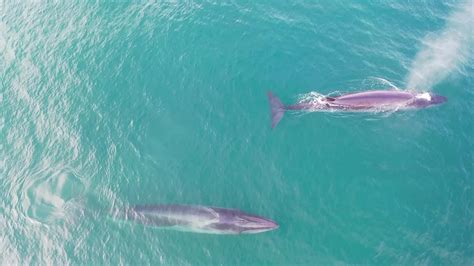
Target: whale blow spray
[[445, 52]]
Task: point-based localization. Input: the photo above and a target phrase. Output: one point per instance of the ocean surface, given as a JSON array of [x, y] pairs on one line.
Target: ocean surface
[[109, 104]]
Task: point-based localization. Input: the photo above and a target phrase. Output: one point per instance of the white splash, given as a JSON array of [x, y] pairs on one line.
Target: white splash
[[445, 52], [424, 96], [311, 97]]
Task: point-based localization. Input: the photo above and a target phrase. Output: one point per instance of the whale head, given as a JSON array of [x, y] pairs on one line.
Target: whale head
[[239, 222], [253, 224], [426, 99]]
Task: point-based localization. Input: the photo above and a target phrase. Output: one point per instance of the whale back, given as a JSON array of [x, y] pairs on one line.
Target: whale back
[[174, 215], [374, 98]]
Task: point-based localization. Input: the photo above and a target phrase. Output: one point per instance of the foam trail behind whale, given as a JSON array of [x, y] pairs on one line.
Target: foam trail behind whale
[[445, 52]]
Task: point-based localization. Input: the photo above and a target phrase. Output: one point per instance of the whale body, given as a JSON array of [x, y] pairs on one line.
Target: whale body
[[366, 101], [199, 219]]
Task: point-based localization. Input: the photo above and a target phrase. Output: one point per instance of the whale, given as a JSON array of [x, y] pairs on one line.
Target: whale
[[365, 101], [199, 219]]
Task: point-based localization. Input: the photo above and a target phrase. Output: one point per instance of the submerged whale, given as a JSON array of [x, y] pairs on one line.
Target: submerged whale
[[366, 101], [199, 219]]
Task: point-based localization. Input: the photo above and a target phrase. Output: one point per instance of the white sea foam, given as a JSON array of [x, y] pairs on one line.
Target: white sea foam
[[444, 52]]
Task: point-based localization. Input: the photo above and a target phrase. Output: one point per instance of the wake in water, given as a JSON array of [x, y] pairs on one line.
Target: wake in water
[[445, 52]]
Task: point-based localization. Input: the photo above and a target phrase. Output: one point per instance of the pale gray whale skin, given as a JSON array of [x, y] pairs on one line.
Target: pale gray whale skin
[[199, 219], [366, 101]]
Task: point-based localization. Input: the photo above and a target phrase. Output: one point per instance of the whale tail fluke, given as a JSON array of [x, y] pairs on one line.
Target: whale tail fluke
[[276, 107]]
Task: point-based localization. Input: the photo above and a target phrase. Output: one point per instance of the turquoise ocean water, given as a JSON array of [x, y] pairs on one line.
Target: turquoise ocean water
[[115, 103]]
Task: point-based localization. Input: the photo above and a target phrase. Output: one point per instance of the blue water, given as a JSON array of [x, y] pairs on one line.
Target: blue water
[[109, 104]]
